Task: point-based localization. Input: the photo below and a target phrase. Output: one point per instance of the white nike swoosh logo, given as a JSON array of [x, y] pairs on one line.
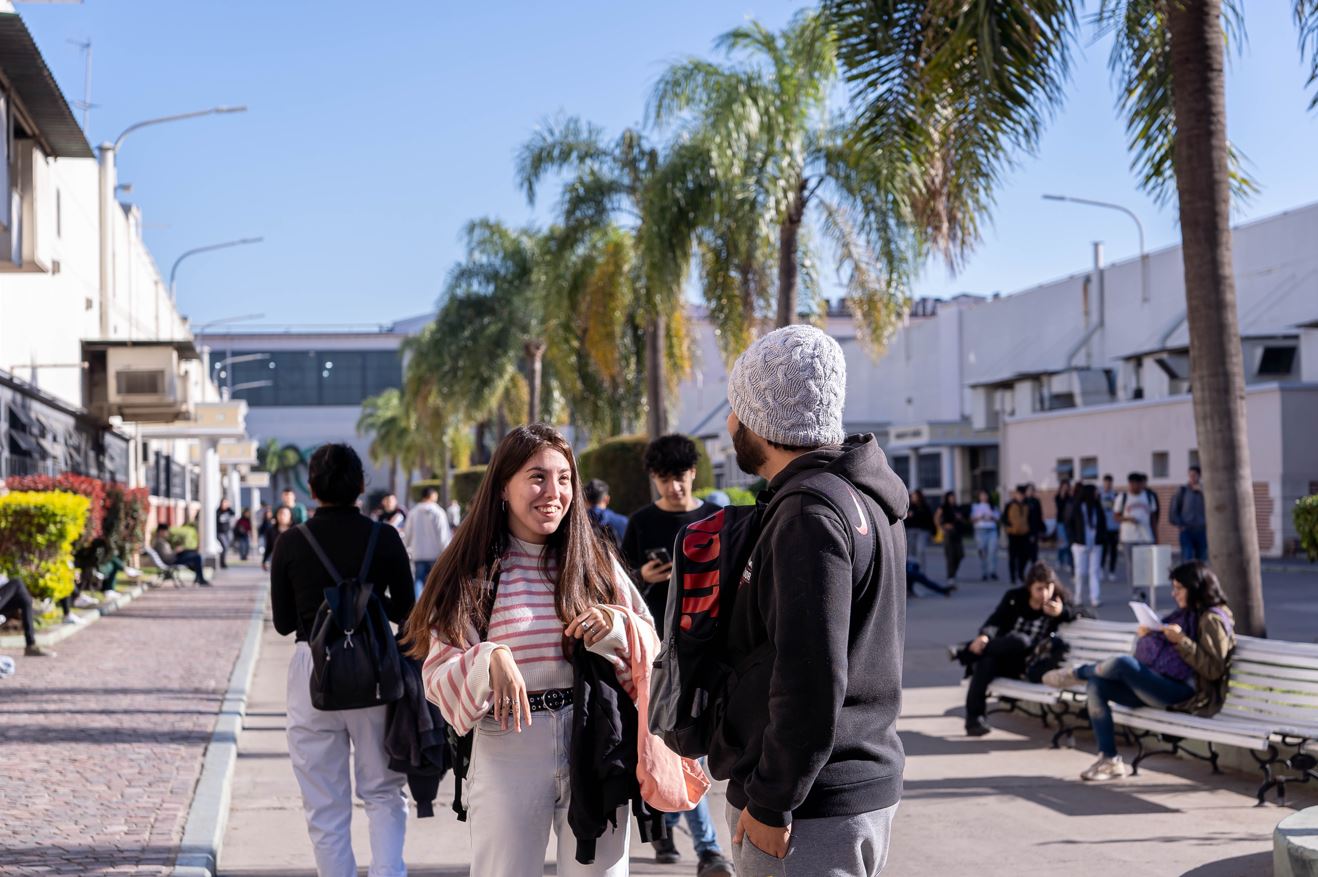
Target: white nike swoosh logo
[[863, 528]]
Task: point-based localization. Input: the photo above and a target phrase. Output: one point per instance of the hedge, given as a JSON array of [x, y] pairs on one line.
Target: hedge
[[183, 537], [465, 483], [92, 488], [38, 530], [737, 495], [1305, 516], [620, 463]]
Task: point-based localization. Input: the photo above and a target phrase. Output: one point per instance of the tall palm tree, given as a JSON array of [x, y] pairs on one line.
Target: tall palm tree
[[961, 88], [775, 151], [282, 461], [611, 189], [389, 423]]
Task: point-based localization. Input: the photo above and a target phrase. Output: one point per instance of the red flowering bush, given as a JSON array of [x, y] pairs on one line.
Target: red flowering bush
[[92, 488]]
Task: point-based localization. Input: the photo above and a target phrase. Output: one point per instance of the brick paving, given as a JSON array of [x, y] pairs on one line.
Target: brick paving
[[102, 746]]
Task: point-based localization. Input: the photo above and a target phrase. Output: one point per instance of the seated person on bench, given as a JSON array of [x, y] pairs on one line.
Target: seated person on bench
[[14, 596], [183, 557], [1026, 617], [1183, 666]]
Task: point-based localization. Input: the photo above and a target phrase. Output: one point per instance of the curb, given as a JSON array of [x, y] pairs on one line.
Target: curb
[[208, 815], [88, 616]]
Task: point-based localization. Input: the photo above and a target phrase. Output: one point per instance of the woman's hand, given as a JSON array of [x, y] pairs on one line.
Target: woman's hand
[[1173, 633], [591, 626], [1143, 631], [1053, 606], [977, 644], [510, 699]]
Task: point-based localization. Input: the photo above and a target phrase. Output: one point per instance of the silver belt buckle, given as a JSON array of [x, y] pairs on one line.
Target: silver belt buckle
[[553, 699]]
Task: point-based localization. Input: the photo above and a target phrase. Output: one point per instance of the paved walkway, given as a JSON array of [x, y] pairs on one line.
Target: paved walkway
[[102, 745]]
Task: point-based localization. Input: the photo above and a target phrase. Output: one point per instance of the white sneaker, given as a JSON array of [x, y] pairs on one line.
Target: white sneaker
[[74, 618], [112, 597], [85, 601], [1062, 677], [1106, 769], [132, 572]]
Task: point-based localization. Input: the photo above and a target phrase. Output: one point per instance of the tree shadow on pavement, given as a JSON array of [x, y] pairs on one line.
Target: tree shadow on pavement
[[1061, 796]]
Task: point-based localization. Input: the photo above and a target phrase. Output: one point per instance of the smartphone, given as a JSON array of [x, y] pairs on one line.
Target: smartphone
[[659, 555]]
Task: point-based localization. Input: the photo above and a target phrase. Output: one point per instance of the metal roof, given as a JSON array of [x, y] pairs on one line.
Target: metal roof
[[36, 92]]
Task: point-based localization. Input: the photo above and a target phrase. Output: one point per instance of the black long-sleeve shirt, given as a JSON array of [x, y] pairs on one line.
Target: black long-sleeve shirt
[[298, 579]]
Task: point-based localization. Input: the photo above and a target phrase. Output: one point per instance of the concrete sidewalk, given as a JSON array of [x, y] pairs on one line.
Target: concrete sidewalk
[[103, 744], [267, 835]]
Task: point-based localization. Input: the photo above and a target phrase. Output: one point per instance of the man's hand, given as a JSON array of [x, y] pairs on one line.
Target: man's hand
[[765, 838], [655, 572], [977, 644]]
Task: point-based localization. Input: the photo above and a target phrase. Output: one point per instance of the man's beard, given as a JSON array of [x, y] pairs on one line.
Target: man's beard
[[750, 456]]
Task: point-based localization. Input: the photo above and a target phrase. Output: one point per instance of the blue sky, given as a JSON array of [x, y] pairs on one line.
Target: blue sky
[[376, 130]]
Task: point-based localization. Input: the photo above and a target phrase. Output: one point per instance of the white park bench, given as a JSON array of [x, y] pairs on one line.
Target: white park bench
[[1271, 708]]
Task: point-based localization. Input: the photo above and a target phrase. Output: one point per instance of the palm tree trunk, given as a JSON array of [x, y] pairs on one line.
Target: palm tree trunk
[[789, 234], [444, 473], [656, 422], [1217, 374], [535, 355]]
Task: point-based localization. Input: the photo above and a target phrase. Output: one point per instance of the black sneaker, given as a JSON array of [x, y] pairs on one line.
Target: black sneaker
[[713, 864], [977, 727], [665, 852]]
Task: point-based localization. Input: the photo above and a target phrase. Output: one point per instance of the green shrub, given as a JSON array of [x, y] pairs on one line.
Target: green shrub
[[1305, 515], [737, 495], [620, 462], [465, 482], [183, 537], [37, 534]]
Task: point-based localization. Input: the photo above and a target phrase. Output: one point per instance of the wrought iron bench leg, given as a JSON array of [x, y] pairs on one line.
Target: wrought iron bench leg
[[1269, 781]]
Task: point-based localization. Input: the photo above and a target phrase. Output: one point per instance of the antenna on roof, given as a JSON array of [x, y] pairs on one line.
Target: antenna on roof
[[85, 104]]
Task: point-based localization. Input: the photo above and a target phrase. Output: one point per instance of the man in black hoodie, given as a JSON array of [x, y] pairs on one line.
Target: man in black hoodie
[[809, 741]]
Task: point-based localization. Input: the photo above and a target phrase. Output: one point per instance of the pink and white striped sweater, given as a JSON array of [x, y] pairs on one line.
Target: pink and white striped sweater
[[526, 623]]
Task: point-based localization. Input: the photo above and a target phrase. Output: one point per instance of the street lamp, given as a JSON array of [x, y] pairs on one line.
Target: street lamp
[[1139, 226], [199, 331], [206, 249], [226, 371], [106, 206]]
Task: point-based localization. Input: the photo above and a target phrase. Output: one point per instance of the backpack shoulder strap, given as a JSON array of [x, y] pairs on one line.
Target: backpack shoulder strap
[[853, 511], [364, 575], [320, 553]]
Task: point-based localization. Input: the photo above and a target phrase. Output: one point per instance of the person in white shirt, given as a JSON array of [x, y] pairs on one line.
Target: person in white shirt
[[426, 534], [1137, 510], [984, 517]]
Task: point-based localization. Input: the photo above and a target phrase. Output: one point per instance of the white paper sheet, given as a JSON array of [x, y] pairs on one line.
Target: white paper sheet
[[1146, 616]]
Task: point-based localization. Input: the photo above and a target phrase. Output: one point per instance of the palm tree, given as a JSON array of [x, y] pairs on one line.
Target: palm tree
[[611, 189], [763, 120], [961, 88], [282, 461], [391, 427]]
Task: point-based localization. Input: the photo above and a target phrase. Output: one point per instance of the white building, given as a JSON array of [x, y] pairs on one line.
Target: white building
[[1080, 377], [99, 374]]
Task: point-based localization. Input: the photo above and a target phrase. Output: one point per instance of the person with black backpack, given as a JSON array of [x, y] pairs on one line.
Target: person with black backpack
[[525, 584], [808, 737], [336, 582]]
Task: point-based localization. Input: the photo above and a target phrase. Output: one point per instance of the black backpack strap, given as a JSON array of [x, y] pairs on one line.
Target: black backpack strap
[[846, 502], [364, 575], [462, 746], [320, 553]]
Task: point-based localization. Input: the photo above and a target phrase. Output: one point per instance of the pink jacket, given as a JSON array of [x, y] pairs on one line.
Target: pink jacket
[[668, 781]]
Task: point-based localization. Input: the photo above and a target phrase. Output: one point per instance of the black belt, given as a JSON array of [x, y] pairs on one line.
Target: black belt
[[553, 700]]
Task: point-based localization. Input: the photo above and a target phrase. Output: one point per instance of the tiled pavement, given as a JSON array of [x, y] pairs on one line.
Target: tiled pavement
[[101, 747]]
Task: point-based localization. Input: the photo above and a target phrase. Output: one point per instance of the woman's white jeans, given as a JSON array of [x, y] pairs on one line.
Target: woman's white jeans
[[329, 750], [518, 789], [1088, 564]]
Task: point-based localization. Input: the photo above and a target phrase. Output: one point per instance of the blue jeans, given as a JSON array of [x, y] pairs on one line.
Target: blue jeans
[[422, 568], [1194, 544], [1125, 681], [702, 829], [1063, 546], [986, 543]]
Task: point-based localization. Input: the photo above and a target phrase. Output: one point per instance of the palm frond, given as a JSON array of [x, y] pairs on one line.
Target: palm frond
[[556, 145], [1306, 21]]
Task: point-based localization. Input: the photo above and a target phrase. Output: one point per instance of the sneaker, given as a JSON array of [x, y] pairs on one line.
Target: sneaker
[[74, 618], [1106, 769], [665, 852], [111, 596], [36, 651], [977, 727], [85, 601], [3, 619], [132, 572], [205, 583], [713, 864], [1062, 677], [994, 576]]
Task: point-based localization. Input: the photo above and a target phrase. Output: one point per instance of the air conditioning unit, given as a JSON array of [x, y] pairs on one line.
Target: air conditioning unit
[[146, 383]]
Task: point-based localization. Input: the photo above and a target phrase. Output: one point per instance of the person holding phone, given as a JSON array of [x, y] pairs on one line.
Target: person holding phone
[[1024, 618], [647, 548]]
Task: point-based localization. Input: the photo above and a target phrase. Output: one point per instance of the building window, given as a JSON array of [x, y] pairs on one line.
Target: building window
[[310, 377], [1193, 458], [901, 464], [1089, 468], [1065, 469], [1276, 362], [1162, 464], [931, 471]]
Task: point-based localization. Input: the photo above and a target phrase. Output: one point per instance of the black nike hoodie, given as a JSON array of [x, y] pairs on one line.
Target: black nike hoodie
[[810, 728]]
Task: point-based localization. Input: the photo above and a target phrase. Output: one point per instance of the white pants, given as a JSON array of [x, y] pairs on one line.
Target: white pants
[[324, 747], [1088, 564], [518, 789]]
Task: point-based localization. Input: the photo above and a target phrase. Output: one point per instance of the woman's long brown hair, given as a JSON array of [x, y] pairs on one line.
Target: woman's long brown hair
[[455, 595]]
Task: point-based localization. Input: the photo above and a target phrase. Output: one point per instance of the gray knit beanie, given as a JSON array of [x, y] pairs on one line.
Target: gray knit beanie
[[789, 387]]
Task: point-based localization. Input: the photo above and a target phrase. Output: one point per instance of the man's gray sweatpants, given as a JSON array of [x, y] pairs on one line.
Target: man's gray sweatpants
[[835, 846]]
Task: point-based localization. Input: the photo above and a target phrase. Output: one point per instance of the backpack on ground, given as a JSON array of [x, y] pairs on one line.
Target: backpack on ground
[[692, 679], [354, 656]]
